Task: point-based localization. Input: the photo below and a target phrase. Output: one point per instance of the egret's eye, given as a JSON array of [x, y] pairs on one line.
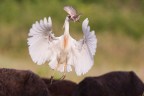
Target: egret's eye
[[69, 16]]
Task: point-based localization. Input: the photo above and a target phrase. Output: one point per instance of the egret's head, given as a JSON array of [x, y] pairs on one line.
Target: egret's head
[[74, 18], [68, 18]]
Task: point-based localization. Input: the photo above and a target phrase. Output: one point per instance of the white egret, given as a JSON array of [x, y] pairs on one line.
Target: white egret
[[62, 52]]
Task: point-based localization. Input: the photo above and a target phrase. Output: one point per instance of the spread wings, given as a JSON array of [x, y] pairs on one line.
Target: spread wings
[[44, 46], [42, 41], [83, 51]]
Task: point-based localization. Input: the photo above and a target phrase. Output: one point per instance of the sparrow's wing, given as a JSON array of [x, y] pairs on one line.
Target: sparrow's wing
[[70, 10]]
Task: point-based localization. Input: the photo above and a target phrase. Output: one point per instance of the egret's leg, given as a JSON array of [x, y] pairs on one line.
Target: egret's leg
[[64, 74], [65, 69], [52, 76]]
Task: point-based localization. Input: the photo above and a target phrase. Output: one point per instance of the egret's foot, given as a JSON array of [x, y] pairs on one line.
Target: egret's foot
[[51, 80], [63, 77]]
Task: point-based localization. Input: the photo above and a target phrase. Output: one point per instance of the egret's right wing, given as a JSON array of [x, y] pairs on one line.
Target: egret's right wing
[[82, 51], [42, 43]]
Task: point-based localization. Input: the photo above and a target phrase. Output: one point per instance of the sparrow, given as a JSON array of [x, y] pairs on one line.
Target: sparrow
[[72, 13]]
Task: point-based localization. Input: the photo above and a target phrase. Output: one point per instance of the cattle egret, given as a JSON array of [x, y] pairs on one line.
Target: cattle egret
[[62, 52]]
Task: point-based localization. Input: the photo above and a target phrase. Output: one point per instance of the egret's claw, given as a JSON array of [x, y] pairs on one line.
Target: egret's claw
[[51, 80]]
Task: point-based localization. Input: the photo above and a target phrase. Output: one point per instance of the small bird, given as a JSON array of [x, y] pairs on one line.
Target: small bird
[[62, 53], [72, 13]]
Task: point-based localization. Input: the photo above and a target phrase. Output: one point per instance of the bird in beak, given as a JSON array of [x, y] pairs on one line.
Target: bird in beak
[[72, 14]]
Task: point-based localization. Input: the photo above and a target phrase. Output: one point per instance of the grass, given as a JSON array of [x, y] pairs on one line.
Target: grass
[[115, 17]]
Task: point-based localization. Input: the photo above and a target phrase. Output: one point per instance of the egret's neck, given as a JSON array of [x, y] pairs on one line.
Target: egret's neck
[[66, 26]]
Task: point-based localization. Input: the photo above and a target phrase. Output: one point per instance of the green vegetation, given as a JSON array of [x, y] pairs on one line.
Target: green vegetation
[[114, 16], [119, 25]]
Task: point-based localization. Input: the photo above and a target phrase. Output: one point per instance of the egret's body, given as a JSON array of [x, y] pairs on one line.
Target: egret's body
[[62, 52]]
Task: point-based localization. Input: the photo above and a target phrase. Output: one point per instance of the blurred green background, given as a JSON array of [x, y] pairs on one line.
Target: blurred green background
[[119, 26]]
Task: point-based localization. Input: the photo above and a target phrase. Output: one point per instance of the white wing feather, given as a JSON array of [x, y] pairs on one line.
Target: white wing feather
[[83, 51], [41, 42], [89, 37]]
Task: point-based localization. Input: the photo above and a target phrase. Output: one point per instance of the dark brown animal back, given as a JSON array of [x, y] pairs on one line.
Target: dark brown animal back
[[21, 83], [60, 87], [117, 83]]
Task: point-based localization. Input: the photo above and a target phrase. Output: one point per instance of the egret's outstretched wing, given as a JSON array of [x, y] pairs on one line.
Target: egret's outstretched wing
[[42, 42], [70, 10], [89, 37], [83, 51]]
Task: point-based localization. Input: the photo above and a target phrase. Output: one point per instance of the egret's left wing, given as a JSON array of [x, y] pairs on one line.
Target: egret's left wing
[[83, 51], [43, 45]]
